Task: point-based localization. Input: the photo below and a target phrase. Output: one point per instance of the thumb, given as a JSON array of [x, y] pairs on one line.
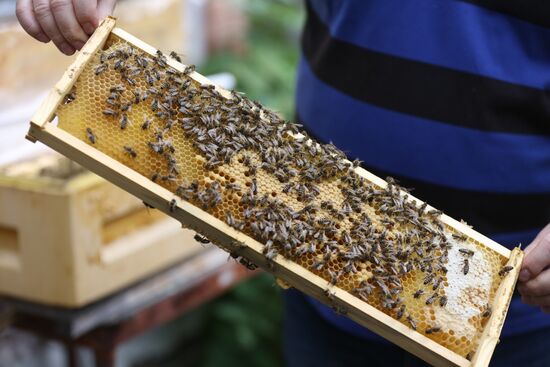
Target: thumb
[[105, 8], [536, 259]]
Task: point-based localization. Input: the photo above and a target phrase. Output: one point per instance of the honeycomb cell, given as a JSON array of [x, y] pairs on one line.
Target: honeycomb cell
[[237, 161]]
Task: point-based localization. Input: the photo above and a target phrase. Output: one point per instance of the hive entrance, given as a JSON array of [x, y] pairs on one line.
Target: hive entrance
[[242, 164]]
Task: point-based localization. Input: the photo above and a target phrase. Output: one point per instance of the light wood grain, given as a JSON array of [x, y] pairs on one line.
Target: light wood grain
[[68, 242], [503, 296], [47, 110]]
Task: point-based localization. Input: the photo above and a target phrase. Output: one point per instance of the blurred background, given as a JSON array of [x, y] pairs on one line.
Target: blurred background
[[127, 285]]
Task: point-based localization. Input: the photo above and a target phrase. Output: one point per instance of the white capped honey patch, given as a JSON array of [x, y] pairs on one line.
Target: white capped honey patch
[[468, 293]]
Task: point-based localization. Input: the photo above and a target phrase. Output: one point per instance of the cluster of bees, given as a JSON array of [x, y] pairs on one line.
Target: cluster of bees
[[384, 229]]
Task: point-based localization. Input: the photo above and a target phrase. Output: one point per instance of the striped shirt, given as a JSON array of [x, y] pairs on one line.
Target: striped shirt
[[452, 98]]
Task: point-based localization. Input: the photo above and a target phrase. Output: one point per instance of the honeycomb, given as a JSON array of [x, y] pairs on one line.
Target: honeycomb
[[244, 165]]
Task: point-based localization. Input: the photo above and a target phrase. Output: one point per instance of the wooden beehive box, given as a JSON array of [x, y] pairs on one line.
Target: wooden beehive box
[[68, 237], [267, 195]]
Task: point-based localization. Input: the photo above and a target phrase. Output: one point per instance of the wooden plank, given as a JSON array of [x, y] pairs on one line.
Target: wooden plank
[[47, 110], [503, 296], [240, 244]]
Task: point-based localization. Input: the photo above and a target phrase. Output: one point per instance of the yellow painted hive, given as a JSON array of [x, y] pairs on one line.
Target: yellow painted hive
[[69, 237], [241, 163]]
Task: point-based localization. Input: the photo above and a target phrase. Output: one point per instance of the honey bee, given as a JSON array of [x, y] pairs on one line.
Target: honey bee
[[110, 112], [330, 295], [249, 265], [433, 329], [90, 135], [155, 105], [233, 187], [411, 322], [435, 213], [422, 208], [149, 78], [123, 121], [172, 205], [270, 254], [467, 252], [146, 122], [189, 69], [101, 68], [400, 312], [318, 265], [418, 293], [505, 270], [117, 89], [487, 312], [129, 80], [142, 62], [443, 301], [428, 278], [334, 276], [466, 267], [202, 239], [229, 219], [431, 299], [156, 147], [160, 59], [436, 283], [156, 74], [103, 57], [130, 151], [175, 56], [170, 178], [460, 237]]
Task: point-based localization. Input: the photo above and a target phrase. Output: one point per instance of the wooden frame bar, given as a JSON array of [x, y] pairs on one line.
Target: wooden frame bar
[[47, 110], [242, 245]]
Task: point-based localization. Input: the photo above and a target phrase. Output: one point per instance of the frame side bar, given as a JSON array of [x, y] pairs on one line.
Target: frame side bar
[[46, 111], [503, 296]]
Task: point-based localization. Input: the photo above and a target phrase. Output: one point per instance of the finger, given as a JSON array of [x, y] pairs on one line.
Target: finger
[[25, 15], [536, 301], [47, 22], [67, 23], [536, 260], [536, 287], [86, 13], [105, 8], [524, 274], [545, 231]]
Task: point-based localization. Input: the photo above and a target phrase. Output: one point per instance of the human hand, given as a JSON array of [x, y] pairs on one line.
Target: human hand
[[68, 23], [534, 277]]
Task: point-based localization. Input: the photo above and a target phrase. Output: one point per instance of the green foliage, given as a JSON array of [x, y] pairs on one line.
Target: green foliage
[[267, 70], [243, 328]]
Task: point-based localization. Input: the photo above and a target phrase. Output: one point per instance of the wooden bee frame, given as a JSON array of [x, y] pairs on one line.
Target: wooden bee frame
[[190, 216]]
